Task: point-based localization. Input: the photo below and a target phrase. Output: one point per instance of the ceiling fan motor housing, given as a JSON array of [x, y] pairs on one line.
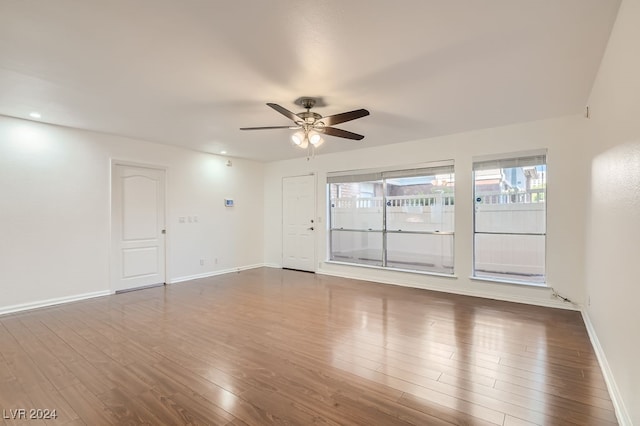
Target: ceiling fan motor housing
[[307, 103], [309, 117]]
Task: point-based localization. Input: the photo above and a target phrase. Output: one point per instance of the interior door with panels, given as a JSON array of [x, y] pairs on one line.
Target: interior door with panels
[[137, 227]]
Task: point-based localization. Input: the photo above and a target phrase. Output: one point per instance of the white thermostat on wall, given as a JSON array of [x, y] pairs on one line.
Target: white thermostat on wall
[[228, 202]]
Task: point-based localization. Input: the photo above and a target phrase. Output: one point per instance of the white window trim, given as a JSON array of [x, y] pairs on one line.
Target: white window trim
[[505, 156]]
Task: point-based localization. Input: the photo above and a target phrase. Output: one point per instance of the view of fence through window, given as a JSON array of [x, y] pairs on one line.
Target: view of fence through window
[[510, 219], [399, 219]]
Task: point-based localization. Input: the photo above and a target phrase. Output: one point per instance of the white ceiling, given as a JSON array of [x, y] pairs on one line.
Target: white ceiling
[[191, 72]]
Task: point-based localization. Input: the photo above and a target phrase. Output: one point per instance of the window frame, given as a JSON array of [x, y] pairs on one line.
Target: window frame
[[366, 175], [507, 158]]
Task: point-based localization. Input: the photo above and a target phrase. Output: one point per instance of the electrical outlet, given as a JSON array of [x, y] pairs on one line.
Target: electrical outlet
[[215, 260], [201, 262], [588, 300]]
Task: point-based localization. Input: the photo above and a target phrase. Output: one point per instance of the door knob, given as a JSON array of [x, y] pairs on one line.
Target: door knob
[[310, 229]]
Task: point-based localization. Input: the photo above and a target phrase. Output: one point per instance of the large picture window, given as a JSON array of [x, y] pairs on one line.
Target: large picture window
[[510, 218], [394, 219]]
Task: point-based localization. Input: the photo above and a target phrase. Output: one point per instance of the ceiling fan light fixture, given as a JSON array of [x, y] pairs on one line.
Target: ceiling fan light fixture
[[314, 138], [298, 138]]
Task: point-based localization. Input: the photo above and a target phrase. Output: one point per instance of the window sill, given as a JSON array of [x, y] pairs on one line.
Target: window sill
[[381, 268], [510, 282]]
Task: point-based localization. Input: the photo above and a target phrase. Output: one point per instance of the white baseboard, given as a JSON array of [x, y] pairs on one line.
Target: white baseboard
[[272, 265], [51, 302], [60, 300], [549, 303], [214, 273], [618, 404]]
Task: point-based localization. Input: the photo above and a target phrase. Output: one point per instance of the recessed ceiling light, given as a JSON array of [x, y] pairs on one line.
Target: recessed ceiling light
[[35, 115], [223, 152]]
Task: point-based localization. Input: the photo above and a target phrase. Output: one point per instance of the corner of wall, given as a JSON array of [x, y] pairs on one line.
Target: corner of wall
[[622, 414]]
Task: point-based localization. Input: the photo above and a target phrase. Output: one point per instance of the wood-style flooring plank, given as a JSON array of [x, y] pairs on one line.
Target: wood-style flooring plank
[[270, 346]]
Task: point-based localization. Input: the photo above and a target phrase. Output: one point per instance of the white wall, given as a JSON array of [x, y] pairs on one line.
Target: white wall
[[54, 211], [566, 199], [613, 223]]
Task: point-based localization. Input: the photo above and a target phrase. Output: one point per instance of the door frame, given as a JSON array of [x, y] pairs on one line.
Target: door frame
[[113, 162], [315, 218]]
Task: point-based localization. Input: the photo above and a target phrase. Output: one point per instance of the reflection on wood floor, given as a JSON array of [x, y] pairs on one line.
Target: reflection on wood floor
[[274, 346]]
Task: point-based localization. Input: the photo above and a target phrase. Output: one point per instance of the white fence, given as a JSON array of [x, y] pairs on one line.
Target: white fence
[[407, 213], [533, 196], [393, 201]]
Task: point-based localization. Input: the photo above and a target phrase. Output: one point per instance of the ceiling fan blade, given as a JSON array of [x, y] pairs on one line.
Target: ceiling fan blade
[[282, 110], [332, 131], [271, 127], [330, 120]]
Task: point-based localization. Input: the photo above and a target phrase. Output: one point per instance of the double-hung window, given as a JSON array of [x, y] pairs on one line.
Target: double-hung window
[[510, 197], [400, 219]]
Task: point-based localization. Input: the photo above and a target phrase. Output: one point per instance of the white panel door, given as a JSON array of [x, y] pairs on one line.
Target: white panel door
[[298, 223], [137, 227]]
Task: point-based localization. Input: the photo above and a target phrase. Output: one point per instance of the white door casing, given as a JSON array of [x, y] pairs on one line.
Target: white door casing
[[298, 223], [137, 227]]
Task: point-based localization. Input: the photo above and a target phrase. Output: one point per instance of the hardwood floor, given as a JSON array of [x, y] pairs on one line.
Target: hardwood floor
[[274, 346]]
